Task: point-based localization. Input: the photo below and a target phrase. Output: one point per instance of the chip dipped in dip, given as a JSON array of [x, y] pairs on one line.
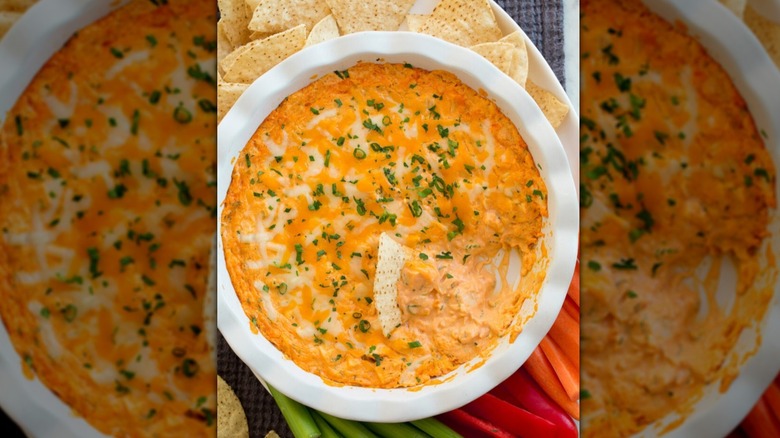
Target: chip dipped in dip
[[383, 148]]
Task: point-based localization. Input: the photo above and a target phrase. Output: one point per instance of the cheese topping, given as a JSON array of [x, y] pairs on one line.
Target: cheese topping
[[383, 148], [107, 179], [677, 187]]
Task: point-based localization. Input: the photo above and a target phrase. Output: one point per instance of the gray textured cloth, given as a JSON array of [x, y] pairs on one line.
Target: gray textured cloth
[[542, 21]]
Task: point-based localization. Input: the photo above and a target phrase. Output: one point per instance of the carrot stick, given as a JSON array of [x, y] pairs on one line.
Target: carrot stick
[[540, 369], [572, 309], [566, 333], [567, 373], [574, 286], [759, 422]]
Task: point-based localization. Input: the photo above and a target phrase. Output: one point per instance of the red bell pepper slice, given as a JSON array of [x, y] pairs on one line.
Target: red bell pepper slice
[[521, 390], [469, 426], [511, 418]]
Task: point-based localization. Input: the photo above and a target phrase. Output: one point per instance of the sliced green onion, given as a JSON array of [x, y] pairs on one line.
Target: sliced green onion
[[189, 367], [182, 115], [69, 312]]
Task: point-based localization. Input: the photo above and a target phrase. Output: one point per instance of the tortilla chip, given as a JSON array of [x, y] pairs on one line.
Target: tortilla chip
[[415, 22], [736, 6], [225, 63], [224, 46], [499, 54], [326, 29], [391, 258], [520, 63], [250, 61], [235, 18], [463, 22], [7, 19], [272, 434], [363, 15], [260, 35], [554, 110], [272, 16], [227, 95], [519, 67], [515, 39], [231, 418], [768, 32]]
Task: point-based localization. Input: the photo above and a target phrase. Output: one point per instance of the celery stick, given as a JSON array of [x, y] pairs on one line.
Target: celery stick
[[436, 428], [325, 429], [351, 429], [298, 417], [393, 430]]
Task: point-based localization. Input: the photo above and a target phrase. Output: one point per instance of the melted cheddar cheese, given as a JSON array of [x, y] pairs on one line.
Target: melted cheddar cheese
[[677, 185], [107, 181], [383, 148]]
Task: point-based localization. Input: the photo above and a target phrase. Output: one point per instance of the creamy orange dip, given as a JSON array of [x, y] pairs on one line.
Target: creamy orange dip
[[383, 148], [107, 181], [677, 185]]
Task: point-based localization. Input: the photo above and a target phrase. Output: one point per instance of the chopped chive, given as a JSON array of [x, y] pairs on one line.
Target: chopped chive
[[184, 192], [416, 209], [182, 115], [298, 253], [207, 106], [69, 312], [134, 124]]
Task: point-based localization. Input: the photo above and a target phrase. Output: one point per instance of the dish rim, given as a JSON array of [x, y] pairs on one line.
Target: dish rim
[[399, 404]]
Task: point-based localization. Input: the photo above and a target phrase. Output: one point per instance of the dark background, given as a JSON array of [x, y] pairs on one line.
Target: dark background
[[8, 428], [542, 21]]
